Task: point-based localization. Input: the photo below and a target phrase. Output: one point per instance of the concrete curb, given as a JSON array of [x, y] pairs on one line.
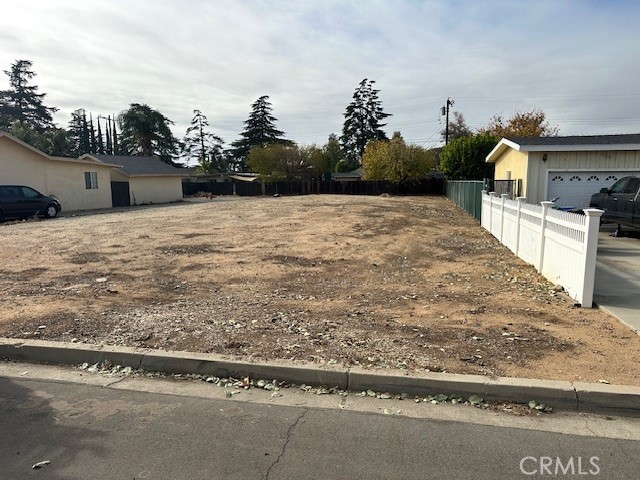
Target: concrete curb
[[562, 395]]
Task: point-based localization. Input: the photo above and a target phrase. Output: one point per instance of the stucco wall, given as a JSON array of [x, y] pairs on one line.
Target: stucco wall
[[65, 180], [514, 162], [627, 161], [21, 166], [155, 189]]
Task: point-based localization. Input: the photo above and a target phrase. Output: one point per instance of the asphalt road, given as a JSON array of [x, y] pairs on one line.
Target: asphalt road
[[88, 431]]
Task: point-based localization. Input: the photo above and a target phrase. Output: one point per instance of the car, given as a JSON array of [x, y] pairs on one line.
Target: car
[[620, 202], [19, 201]]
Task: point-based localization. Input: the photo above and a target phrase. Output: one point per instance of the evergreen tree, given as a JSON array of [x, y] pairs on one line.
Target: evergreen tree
[[146, 132], [204, 146], [114, 137], [259, 131], [78, 133], [108, 135], [93, 146], [100, 142], [22, 102], [362, 121]]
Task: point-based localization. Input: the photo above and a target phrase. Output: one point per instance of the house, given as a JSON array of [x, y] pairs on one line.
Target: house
[[572, 167], [91, 181], [78, 184], [141, 180]]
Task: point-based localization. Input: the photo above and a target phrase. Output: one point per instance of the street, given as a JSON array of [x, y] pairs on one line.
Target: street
[[91, 427]]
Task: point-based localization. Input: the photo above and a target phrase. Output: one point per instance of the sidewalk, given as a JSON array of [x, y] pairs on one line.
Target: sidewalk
[[617, 282]]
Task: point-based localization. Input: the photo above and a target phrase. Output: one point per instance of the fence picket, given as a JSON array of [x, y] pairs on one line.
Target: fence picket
[[561, 245]]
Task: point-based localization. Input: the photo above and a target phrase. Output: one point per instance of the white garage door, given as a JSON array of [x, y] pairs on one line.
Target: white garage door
[[575, 188]]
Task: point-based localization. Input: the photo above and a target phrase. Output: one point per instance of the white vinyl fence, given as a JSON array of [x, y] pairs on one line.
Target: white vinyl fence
[[561, 245]]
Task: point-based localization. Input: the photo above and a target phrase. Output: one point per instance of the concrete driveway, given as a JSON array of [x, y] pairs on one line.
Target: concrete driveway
[[617, 283]]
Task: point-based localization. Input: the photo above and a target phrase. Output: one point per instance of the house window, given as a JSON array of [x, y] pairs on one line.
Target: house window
[[91, 180]]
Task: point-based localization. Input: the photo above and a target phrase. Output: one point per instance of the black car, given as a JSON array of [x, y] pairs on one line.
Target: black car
[[18, 201], [621, 202]]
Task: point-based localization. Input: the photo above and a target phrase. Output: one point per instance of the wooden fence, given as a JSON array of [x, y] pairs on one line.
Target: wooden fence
[[429, 186]]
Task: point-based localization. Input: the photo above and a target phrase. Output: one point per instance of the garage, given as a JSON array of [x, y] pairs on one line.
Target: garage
[[569, 168], [575, 188]]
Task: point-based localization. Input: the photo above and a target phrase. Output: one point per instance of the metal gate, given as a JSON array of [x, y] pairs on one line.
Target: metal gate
[[120, 194]]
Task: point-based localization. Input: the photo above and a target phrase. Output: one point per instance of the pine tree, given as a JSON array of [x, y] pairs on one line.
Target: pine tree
[[362, 121], [22, 102], [259, 131], [78, 133], [204, 146]]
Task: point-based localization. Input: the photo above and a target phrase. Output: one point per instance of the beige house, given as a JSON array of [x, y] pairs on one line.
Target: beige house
[[91, 181], [571, 168], [146, 179], [78, 184]]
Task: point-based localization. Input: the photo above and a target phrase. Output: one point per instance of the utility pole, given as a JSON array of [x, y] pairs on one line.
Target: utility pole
[[445, 111]]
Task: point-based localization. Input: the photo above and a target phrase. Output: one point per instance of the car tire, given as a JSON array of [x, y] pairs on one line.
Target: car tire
[[51, 211]]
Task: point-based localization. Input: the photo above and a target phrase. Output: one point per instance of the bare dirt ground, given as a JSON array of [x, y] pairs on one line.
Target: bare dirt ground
[[398, 282]]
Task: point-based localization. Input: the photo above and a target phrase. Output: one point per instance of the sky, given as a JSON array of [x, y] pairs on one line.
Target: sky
[[577, 60]]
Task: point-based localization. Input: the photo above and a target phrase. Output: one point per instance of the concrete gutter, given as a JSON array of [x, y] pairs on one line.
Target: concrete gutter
[[561, 395]]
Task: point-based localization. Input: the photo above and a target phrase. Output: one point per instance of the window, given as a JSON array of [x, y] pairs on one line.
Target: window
[[593, 178], [557, 178], [618, 187], [575, 178], [91, 180], [611, 177], [632, 185], [30, 193]]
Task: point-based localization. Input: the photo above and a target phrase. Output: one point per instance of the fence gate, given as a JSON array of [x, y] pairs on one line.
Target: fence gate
[[120, 194]]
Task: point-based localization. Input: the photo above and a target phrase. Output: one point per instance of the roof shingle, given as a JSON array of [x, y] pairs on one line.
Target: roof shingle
[[133, 165]]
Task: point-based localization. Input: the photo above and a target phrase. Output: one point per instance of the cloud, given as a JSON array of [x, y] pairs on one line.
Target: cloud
[[576, 60]]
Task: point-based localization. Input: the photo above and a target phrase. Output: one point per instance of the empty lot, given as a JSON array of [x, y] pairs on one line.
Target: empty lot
[[398, 282]]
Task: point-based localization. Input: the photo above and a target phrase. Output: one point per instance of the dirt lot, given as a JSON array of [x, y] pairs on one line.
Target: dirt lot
[[393, 282]]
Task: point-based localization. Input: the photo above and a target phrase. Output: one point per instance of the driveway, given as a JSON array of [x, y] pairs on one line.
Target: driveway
[[617, 284]]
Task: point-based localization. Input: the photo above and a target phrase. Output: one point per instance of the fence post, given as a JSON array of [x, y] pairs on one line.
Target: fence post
[[520, 200], [492, 195], [592, 226], [543, 227], [503, 197]]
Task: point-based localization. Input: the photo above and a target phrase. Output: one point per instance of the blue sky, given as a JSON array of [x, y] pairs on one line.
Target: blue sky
[[576, 60]]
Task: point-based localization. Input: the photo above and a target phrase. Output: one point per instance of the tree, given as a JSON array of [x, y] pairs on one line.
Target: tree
[[78, 133], [146, 132], [521, 124], [457, 127], [259, 131], [396, 161], [464, 158], [22, 102], [202, 145], [333, 153], [54, 141], [362, 122], [289, 162]]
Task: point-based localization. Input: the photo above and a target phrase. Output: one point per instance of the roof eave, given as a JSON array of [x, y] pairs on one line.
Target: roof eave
[[501, 147]]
